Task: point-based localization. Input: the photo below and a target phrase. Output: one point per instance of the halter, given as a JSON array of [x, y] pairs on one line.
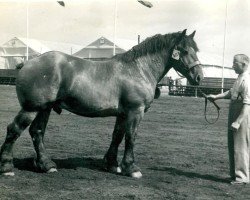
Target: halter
[[176, 56]]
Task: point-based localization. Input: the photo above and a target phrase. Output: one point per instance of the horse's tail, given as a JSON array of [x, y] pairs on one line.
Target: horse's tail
[[20, 65]]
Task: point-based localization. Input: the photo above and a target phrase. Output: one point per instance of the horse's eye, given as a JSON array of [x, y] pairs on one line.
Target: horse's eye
[[184, 51]]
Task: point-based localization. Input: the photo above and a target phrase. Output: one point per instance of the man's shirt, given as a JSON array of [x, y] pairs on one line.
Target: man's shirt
[[241, 88]]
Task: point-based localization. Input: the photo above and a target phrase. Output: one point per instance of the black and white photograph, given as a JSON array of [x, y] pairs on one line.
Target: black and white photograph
[[124, 99]]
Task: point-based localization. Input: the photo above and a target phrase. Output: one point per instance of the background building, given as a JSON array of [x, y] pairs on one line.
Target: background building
[[15, 50], [100, 49]]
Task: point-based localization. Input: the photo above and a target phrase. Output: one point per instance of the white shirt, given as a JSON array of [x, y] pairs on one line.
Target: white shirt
[[241, 88]]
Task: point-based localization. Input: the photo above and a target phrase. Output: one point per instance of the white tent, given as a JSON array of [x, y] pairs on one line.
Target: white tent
[[14, 51]]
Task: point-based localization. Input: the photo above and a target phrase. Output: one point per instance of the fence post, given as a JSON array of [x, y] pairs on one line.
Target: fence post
[[196, 92]]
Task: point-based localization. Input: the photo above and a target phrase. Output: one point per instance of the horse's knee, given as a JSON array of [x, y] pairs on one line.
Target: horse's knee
[[34, 131], [34, 128]]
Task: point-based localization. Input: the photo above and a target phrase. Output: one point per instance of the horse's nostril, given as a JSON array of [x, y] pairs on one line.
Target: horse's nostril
[[198, 78]]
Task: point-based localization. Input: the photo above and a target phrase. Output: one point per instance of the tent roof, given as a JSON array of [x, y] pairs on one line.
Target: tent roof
[[125, 43], [35, 45], [102, 47], [41, 46]]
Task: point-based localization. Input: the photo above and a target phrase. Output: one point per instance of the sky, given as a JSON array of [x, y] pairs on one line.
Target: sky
[[222, 26]]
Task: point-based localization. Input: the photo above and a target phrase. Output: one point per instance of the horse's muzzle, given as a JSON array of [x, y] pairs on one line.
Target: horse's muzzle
[[199, 76]]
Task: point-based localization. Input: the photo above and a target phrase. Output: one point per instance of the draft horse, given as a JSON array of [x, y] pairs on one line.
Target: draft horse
[[122, 86]]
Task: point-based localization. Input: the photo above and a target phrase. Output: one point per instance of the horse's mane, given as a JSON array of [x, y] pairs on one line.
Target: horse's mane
[[155, 44]]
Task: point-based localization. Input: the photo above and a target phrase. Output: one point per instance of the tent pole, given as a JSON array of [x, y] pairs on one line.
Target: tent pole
[[224, 46], [27, 15], [115, 16]]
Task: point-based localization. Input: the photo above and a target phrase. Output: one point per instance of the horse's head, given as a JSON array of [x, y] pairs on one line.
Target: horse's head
[[185, 60]]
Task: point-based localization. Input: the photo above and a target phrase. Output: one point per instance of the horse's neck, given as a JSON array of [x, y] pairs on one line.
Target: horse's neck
[[157, 64]]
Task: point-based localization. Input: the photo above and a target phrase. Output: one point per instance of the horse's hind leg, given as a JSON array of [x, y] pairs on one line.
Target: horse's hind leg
[[14, 130], [110, 158], [37, 130]]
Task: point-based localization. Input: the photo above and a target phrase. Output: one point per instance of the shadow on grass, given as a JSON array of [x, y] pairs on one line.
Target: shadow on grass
[[67, 163], [178, 172]]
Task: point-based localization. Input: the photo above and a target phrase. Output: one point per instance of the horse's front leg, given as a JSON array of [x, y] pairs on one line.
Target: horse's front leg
[[132, 122], [37, 130]]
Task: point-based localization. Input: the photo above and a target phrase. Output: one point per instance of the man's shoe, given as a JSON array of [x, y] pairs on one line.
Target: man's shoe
[[237, 183]]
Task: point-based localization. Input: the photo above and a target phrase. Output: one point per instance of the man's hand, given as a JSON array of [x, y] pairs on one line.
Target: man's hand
[[235, 126], [211, 97]]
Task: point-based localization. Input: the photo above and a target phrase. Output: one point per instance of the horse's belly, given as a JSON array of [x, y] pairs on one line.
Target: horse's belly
[[94, 113], [90, 109]]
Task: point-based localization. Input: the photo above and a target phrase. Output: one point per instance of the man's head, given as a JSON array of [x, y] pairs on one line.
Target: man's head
[[240, 63]]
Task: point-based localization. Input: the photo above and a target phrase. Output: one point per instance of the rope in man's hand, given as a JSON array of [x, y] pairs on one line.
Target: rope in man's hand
[[215, 104]]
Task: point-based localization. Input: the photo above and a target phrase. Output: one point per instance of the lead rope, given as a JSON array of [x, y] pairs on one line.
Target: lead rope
[[205, 110]]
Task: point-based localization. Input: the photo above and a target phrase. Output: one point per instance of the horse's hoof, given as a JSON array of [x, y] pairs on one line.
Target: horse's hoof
[[136, 175], [9, 174], [118, 170], [52, 170], [114, 170]]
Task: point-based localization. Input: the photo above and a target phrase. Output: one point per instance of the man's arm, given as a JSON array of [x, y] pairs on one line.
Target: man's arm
[[225, 95]]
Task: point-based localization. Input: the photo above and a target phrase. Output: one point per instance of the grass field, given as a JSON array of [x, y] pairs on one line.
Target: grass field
[[180, 155]]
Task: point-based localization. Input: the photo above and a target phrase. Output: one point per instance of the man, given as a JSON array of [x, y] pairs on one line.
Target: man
[[238, 121], [170, 84]]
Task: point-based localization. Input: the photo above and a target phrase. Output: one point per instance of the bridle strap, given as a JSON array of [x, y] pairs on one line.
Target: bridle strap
[[193, 64], [190, 66]]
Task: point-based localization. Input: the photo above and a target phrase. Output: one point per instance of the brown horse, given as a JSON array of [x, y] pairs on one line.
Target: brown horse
[[122, 86]]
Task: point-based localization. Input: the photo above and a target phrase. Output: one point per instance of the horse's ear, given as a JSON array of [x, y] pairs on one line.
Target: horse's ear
[[192, 34], [182, 35], [183, 32]]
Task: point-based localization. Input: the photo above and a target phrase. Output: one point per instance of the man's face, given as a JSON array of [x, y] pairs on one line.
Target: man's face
[[238, 65]]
